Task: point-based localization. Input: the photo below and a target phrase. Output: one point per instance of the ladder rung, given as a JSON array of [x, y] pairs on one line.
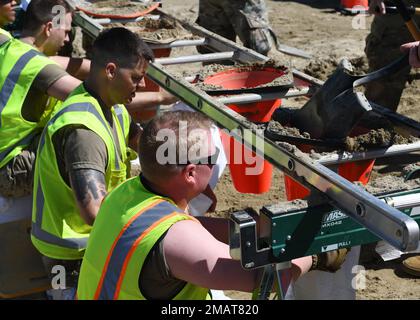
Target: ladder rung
[[109, 20], [256, 97], [197, 58], [179, 43]]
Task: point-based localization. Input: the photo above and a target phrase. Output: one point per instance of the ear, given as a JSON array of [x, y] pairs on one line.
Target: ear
[[111, 70], [190, 173], [48, 28]]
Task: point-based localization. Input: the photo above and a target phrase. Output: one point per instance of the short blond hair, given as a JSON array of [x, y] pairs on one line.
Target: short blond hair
[[149, 144]]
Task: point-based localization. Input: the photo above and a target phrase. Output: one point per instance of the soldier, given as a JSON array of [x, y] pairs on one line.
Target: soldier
[[388, 33], [84, 152], [411, 265], [31, 85]]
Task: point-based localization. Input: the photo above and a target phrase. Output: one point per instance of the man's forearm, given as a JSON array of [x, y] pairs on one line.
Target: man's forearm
[[149, 99], [89, 189], [77, 67]]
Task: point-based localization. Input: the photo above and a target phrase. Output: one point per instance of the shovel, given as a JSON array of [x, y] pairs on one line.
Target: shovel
[[335, 108]]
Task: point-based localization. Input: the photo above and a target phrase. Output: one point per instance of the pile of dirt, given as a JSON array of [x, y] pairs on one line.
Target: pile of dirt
[[162, 30], [288, 206], [285, 77], [322, 69], [379, 138], [278, 128], [388, 183], [380, 135], [114, 7]]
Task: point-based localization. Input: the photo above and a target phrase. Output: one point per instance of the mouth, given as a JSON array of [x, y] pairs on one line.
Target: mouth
[[130, 99]]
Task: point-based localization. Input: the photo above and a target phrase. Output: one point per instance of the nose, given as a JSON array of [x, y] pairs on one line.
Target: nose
[[141, 84]]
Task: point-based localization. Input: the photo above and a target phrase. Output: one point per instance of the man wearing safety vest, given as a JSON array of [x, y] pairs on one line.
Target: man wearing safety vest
[[30, 86], [144, 246], [83, 153]]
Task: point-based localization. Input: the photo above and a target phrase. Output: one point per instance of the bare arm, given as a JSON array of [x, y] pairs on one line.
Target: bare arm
[[195, 256], [89, 189], [218, 227], [77, 67], [62, 87], [149, 99]]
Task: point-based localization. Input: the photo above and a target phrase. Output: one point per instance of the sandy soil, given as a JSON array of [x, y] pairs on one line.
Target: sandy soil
[[316, 27]]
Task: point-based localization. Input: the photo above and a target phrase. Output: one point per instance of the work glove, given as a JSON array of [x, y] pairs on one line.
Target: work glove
[[330, 261]]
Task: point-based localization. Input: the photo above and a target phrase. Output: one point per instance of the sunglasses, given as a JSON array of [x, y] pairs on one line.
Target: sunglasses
[[209, 160]]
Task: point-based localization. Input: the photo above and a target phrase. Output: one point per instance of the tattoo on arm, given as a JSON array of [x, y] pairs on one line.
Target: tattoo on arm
[[89, 188]]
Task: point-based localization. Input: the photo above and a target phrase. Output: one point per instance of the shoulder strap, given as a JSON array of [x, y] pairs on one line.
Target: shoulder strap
[[4, 39]]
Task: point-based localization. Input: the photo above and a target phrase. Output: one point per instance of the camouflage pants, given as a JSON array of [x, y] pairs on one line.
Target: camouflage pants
[[247, 19], [388, 33], [16, 177]]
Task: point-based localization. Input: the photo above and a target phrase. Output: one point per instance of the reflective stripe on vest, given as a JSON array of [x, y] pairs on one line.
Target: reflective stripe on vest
[[4, 39], [119, 113], [12, 78], [72, 243], [125, 244]]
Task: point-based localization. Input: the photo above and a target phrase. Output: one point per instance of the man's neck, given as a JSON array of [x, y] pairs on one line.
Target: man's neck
[[32, 41], [94, 89], [180, 201], [28, 39]]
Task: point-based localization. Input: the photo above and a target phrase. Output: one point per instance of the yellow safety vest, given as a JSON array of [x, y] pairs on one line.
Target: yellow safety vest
[[20, 63], [58, 230], [130, 222]]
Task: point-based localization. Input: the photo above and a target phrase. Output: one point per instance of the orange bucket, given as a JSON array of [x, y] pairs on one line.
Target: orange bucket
[[352, 171], [151, 86], [350, 4], [237, 154]]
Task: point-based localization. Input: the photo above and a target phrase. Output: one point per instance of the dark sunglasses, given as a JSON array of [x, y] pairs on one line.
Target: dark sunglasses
[[209, 160]]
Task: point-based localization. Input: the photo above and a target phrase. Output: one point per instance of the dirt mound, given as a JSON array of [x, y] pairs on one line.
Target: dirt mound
[[322, 69], [285, 77], [156, 30], [114, 7], [379, 138], [388, 183]]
